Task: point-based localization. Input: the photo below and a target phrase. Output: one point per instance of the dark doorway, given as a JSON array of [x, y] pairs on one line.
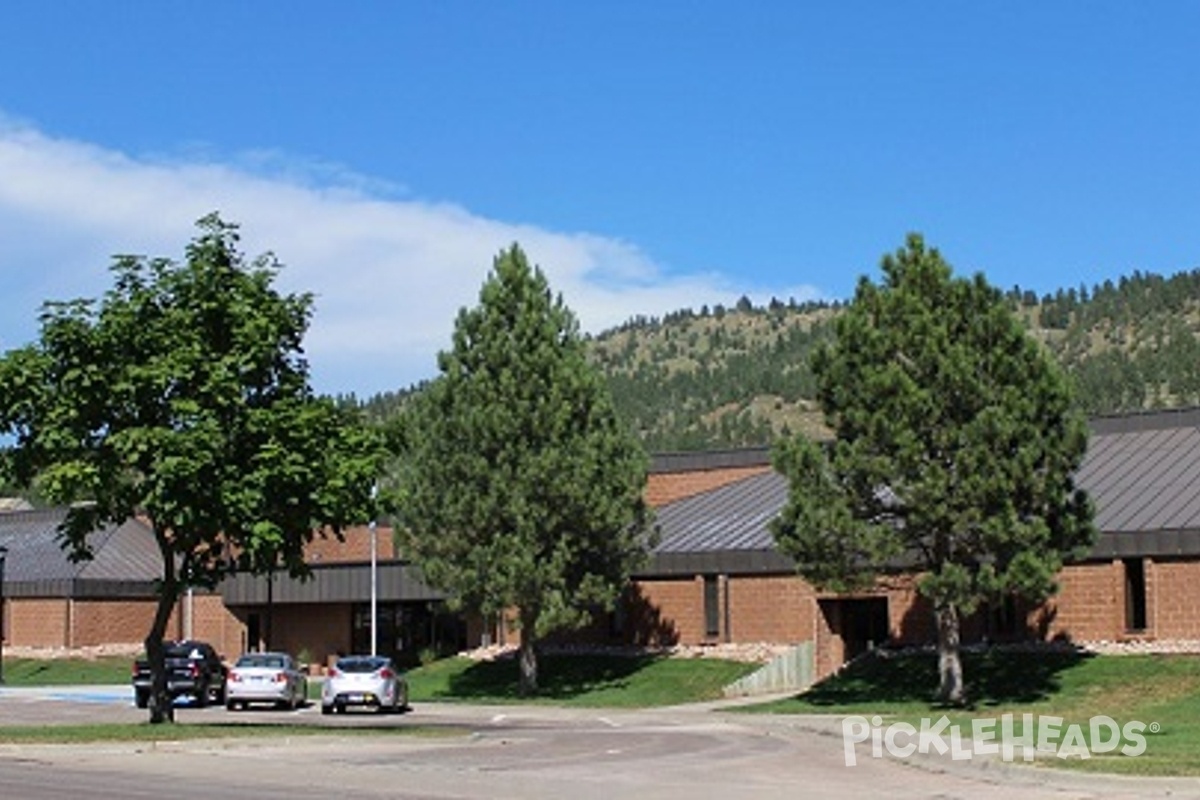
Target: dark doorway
[[1135, 594], [712, 607], [864, 624], [253, 632]]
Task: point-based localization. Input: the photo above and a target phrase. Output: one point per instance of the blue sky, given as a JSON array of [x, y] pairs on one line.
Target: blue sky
[[648, 155]]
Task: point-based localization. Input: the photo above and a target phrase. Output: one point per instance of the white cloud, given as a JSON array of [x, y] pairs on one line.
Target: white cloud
[[389, 274]]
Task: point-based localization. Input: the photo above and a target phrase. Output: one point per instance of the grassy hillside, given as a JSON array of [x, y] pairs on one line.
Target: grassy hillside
[[721, 377]]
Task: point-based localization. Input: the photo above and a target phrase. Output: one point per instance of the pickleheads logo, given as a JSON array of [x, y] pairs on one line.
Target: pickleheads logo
[[1038, 734]]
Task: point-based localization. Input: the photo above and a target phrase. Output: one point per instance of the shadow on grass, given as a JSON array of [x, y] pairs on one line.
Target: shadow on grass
[[560, 677], [996, 676]]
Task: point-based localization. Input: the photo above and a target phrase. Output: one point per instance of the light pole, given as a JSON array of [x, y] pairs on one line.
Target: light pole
[[374, 577], [3, 556]]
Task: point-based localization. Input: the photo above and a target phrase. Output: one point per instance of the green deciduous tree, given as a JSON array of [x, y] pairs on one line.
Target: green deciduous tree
[[956, 444], [520, 489], [182, 396]]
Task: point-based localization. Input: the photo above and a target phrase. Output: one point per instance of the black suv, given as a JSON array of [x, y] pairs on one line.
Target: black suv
[[193, 669]]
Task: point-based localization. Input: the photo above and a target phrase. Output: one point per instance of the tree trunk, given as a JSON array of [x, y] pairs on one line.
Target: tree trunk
[[162, 706], [950, 672], [527, 655]]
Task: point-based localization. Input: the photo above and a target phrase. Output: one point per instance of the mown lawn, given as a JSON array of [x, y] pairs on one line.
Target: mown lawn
[[1161, 691], [67, 671], [579, 680]]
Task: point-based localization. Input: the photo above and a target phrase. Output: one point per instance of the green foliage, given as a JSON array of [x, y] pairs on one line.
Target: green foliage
[[519, 486], [956, 443], [182, 396]]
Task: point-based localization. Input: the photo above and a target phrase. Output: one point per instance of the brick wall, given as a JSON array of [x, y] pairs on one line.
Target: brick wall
[[212, 622], [667, 611], [829, 650], [1172, 598], [321, 630], [326, 549], [97, 622], [779, 609], [1089, 605], [667, 487], [910, 616], [36, 622]]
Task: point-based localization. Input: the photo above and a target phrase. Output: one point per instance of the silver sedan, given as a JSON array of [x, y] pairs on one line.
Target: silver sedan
[[273, 678]]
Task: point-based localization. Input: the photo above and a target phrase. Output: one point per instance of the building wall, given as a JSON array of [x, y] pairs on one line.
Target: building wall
[[63, 622], [316, 631], [667, 487], [1089, 605], [666, 611], [37, 622], [211, 622], [775, 608], [326, 549], [1173, 598], [98, 622]]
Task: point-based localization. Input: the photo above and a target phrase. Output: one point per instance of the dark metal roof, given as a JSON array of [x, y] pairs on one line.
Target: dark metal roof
[[126, 561], [732, 517], [332, 583], [1142, 472]]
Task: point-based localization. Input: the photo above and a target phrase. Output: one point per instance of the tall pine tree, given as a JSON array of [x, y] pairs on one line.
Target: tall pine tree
[[956, 443], [520, 489]]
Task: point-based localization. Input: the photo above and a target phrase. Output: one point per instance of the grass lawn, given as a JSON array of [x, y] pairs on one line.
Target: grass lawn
[[579, 680], [67, 671], [1159, 689]]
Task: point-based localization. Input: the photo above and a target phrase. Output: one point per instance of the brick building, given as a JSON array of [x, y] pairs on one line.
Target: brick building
[[714, 577], [52, 602]]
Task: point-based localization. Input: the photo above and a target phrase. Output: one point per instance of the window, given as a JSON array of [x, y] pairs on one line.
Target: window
[[712, 606], [1135, 594]]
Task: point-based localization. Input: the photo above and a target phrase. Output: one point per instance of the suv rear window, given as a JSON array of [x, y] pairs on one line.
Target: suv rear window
[[185, 652]]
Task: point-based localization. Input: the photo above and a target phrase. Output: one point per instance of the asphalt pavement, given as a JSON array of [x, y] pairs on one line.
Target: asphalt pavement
[[506, 751]]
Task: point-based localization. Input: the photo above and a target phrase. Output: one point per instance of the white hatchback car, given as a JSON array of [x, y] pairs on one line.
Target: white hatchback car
[[273, 678], [371, 681]]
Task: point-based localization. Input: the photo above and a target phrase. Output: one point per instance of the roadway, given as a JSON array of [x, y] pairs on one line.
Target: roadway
[[503, 752]]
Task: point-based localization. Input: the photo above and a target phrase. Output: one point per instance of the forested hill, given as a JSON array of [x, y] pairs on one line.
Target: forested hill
[[724, 377]]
